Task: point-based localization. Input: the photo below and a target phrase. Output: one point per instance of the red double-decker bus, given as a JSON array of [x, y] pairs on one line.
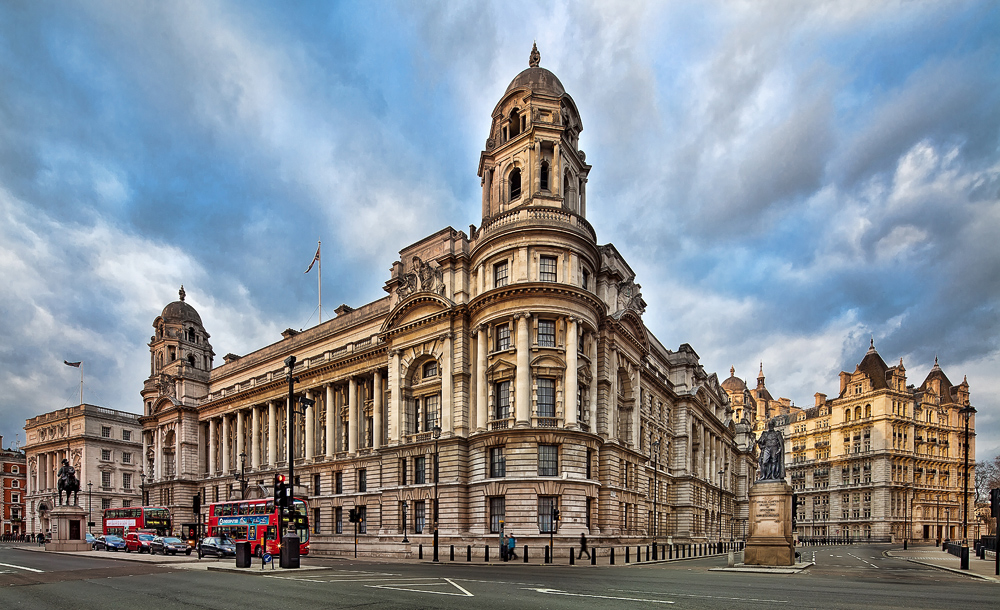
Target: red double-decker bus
[[256, 522], [119, 521]]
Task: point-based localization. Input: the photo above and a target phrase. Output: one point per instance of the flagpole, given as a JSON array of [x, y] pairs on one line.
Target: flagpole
[[320, 276], [81, 384]]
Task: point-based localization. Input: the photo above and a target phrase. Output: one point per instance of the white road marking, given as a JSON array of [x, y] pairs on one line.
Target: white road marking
[[20, 567], [864, 561], [464, 592], [626, 599], [741, 599]]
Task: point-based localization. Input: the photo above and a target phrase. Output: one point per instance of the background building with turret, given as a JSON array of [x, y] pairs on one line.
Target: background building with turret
[[514, 357]]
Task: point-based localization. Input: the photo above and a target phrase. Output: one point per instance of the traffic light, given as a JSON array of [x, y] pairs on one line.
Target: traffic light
[[279, 491], [353, 516], [555, 514], [995, 503], [196, 504]]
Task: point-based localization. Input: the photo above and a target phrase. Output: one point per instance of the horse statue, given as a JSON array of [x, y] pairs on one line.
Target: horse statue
[[68, 482]]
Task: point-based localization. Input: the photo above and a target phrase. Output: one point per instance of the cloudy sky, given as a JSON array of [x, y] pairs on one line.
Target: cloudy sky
[[788, 179]]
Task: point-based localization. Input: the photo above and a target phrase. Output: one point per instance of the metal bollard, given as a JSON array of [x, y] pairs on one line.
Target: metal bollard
[[420, 551], [571, 557], [546, 554], [486, 557], [468, 552], [525, 554], [613, 555], [452, 558], [626, 554], [593, 556]]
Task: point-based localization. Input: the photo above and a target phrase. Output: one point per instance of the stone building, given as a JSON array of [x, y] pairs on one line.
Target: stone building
[[883, 458], [13, 476], [512, 360], [101, 444]]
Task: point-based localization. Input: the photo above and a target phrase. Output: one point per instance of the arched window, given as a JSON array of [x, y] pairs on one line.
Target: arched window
[[857, 412], [847, 415], [544, 175], [191, 360], [514, 183], [868, 410], [515, 123]]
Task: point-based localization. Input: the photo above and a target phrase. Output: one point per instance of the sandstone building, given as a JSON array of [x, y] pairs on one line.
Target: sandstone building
[[102, 445], [882, 460], [507, 372]]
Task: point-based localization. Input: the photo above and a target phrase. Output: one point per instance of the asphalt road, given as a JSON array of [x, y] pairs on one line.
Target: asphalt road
[[843, 577]]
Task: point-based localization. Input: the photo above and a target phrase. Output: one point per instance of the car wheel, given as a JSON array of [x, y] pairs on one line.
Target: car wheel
[[188, 552]]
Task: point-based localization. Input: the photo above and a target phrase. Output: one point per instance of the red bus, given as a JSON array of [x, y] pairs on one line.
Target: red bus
[[119, 521], [256, 521]]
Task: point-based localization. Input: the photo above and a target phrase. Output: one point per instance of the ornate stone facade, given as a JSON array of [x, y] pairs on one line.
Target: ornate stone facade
[[521, 344]]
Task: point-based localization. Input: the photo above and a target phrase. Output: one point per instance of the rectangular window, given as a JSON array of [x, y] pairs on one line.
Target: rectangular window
[[315, 523], [338, 519], [500, 274], [547, 269], [586, 279], [419, 470], [105, 454], [105, 479], [105, 503], [15, 499], [496, 514], [498, 463], [316, 484], [402, 471], [546, 333], [106, 431], [126, 503], [431, 369], [502, 337], [126, 435], [363, 515], [546, 398], [431, 405], [502, 396], [548, 460], [126, 457], [339, 482], [546, 504], [363, 479], [127, 480], [419, 516]]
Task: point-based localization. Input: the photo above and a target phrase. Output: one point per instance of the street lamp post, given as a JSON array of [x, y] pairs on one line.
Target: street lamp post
[[242, 477], [437, 515], [142, 488], [405, 539], [290, 541], [90, 504], [656, 489], [968, 411]]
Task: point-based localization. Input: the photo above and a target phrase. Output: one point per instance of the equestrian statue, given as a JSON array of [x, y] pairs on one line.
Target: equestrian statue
[[68, 482]]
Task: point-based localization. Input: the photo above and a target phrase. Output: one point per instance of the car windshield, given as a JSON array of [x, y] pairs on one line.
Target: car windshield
[[227, 544], [146, 537], [112, 539], [172, 541]]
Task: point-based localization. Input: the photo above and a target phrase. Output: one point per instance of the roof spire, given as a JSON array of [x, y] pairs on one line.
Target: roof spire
[[181, 292], [535, 56]]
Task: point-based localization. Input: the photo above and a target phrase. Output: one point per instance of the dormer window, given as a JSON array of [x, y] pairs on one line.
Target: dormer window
[[514, 183]]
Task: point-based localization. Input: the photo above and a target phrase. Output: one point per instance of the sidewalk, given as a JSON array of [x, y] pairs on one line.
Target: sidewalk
[[933, 556]]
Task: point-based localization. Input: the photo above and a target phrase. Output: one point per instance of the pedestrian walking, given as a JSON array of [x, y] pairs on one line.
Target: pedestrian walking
[[503, 547], [511, 547], [583, 546]]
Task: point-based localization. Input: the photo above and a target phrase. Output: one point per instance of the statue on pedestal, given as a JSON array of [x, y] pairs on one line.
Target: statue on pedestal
[[68, 482], [771, 462]]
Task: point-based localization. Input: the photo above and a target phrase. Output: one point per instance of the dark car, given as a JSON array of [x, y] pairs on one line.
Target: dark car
[[109, 543], [217, 547], [168, 545]]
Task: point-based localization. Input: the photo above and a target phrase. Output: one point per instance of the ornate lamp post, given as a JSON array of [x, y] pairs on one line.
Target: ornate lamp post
[[656, 489], [968, 411], [242, 477], [437, 435], [142, 488], [90, 504]]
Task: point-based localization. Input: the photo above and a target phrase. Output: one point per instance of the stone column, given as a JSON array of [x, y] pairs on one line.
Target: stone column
[[352, 416], [178, 456], [556, 172], [637, 403], [377, 410], [395, 398], [481, 384], [272, 433], [572, 383], [225, 444], [593, 384], [145, 450], [310, 415], [446, 388], [213, 442], [523, 396], [331, 439], [255, 439], [240, 434], [536, 168], [583, 197]]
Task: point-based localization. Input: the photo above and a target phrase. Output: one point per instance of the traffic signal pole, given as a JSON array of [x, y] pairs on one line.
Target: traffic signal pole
[[290, 541]]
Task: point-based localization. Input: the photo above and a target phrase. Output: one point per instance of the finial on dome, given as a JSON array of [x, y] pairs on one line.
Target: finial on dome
[[535, 56], [181, 292], [732, 371]]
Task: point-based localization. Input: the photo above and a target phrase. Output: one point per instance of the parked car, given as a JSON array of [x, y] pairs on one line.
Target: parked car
[[138, 542], [168, 545], [109, 543], [91, 539], [216, 547]]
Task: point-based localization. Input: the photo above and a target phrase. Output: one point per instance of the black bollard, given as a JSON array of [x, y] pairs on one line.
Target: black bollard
[[452, 558], [468, 552], [486, 556], [525, 553], [572, 557], [546, 554], [638, 553], [420, 551], [613, 555], [626, 554], [647, 552], [593, 556]]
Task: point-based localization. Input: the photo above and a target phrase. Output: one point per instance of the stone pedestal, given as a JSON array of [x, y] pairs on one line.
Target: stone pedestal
[[770, 542], [68, 529]]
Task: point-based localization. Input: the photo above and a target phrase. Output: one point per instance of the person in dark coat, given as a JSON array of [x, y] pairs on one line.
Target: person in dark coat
[[583, 546]]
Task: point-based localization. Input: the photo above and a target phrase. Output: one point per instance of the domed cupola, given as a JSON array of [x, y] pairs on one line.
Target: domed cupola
[[532, 155], [180, 355]]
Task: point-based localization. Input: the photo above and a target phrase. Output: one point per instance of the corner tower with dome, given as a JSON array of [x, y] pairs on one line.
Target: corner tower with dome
[[507, 373]]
